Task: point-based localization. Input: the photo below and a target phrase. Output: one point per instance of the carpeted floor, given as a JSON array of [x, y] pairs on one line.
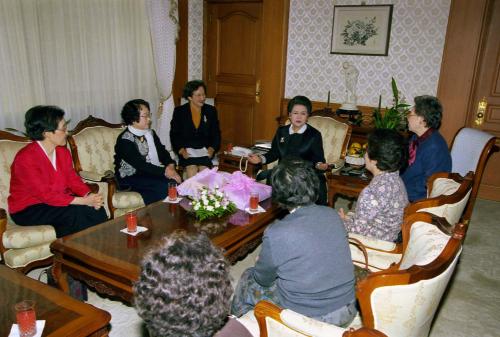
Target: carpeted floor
[[470, 307]]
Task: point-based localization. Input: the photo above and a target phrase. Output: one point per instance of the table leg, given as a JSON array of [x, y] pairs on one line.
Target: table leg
[[60, 276]]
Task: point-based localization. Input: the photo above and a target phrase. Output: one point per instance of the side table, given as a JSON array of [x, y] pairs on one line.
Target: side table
[[231, 163], [350, 186]]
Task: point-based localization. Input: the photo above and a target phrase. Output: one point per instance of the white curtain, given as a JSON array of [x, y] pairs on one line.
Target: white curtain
[[163, 22], [86, 56]]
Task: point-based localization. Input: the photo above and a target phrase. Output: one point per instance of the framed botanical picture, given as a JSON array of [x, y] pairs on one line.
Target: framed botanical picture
[[361, 30]]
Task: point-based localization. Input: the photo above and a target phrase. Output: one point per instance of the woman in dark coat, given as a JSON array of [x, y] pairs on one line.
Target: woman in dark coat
[[300, 140], [194, 131]]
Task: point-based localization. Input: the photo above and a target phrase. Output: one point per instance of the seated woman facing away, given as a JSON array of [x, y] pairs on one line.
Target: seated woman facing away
[[184, 289], [194, 130], [381, 204], [298, 139], [428, 151], [141, 160], [305, 263], [44, 187]]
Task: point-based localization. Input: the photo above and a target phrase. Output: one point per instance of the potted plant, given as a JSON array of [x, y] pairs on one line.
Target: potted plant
[[393, 117]]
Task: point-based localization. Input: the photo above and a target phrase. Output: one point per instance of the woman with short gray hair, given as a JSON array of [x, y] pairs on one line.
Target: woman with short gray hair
[[305, 263]]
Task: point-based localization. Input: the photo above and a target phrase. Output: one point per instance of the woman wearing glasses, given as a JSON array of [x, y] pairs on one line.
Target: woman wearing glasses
[[44, 187], [141, 161], [428, 152]]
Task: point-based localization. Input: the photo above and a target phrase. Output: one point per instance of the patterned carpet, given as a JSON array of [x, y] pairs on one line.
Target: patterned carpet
[[470, 308]]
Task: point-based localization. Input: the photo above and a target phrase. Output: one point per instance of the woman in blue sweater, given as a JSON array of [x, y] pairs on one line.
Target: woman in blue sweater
[[305, 263], [428, 151]]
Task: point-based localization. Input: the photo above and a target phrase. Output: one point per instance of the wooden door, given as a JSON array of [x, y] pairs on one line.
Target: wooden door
[[233, 63], [487, 86]]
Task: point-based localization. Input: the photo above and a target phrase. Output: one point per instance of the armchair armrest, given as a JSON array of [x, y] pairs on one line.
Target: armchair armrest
[[376, 244], [94, 188], [3, 228], [92, 176]]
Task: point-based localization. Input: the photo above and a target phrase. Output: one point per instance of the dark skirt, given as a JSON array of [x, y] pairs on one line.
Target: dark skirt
[[151, 188], [199, 161], [65, 219]]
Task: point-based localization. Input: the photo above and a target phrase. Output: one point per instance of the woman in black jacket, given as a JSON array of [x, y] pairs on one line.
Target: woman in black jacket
[[194, 130], [141, 160], [299, 140]]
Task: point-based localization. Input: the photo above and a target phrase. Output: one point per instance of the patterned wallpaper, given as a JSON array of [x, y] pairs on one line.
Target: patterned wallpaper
[[195, 39], [414, 60]]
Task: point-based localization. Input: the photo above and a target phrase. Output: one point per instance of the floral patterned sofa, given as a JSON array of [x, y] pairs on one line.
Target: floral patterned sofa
[[21, 248], [92, 144]]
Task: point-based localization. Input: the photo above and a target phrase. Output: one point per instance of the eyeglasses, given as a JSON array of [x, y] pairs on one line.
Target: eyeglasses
[[147, 116]]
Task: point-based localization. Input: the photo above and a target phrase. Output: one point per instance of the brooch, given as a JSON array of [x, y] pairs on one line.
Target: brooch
[[282, 140]]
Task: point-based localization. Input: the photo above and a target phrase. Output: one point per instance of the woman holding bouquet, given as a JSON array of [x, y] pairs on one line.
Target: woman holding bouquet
[[299, 140]]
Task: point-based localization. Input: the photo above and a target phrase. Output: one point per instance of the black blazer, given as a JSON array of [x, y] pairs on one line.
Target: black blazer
[[308, 146], [183, 133]]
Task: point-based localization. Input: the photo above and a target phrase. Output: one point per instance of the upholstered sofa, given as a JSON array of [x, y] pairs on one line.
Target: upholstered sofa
[[21, 247], [92, 144]]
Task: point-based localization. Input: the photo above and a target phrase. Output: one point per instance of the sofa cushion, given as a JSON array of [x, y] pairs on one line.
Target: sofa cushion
[[16, 258], [17, 237]]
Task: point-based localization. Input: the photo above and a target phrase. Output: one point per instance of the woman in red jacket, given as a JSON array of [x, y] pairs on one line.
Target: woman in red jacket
[[44, 187]]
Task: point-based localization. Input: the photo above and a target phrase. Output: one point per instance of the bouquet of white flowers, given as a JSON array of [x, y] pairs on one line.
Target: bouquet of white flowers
[[211, 203]]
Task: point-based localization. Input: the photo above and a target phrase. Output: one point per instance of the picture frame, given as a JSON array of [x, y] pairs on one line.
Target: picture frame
[[361, 30]]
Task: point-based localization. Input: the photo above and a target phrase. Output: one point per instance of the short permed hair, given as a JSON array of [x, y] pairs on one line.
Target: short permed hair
[[130, 111], [295, 183], [300, 100], [191, 87], [388, 148], [184, 287], [430, 109], [42, 118]]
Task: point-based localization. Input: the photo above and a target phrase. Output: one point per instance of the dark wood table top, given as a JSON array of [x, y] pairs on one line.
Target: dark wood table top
[[63, 315], [108, 260]]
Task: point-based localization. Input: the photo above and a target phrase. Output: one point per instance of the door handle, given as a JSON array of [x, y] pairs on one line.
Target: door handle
[[257, 91], [481, 110]]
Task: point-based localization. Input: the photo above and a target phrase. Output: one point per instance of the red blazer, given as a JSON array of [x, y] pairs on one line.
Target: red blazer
[[35, 181]]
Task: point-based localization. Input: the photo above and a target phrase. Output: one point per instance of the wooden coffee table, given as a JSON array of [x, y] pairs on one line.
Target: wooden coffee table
[[63, 315], [349, 186], [108, 260]]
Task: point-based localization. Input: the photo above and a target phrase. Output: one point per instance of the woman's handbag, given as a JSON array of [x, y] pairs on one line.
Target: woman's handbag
[[360, 272]]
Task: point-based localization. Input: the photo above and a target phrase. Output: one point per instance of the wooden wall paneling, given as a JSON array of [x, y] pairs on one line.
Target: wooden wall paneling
[[274, 49], [181, 52], [459, 64]]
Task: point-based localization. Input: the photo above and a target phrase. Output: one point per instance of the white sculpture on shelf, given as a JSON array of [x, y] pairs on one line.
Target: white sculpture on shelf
[[351, 79]]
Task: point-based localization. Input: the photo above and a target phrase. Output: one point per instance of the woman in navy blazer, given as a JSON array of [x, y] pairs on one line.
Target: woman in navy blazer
[[194, 130]]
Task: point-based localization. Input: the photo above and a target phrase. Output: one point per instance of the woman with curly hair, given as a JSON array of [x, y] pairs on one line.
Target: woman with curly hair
[[380, 207], [428, 151], [184, 289], [305, 263]]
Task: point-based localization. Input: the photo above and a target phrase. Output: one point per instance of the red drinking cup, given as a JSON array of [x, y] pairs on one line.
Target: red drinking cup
[[172, 191], [131, 219], [254, 201], [26, 318]]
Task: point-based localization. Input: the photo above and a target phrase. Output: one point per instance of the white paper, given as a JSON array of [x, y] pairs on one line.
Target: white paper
[[140, 229], [175, 201], [258, 210], [14, 331], [196, 153]]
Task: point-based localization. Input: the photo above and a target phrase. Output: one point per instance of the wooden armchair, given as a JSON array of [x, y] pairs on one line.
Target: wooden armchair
[[21, 248], [448, 195], [92, 144], [398, 302], [274, 321], [470, 151]]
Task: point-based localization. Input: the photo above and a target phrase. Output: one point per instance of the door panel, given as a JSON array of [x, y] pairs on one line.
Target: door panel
[[233, 63], [487, 86]]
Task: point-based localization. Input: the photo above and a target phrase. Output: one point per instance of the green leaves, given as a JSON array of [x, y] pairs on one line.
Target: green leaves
[[393, 117]]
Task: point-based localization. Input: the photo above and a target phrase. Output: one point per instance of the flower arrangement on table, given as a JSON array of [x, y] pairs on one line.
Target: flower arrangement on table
[[211, 203]]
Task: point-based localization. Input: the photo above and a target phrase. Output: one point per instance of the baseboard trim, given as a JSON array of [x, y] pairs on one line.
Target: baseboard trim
[[489, 192]]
